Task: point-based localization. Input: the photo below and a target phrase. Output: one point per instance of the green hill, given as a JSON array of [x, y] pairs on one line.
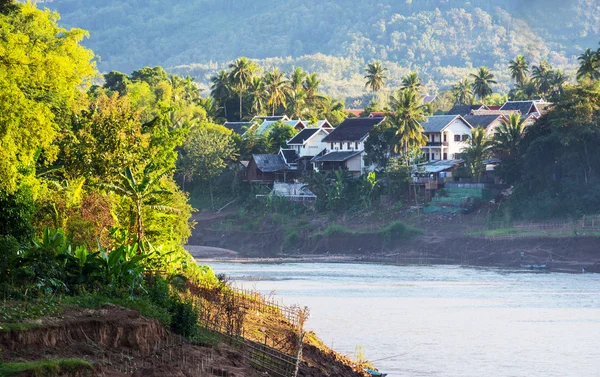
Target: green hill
[[441, 39]]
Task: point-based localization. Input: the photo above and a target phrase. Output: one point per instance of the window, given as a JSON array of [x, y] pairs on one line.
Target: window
[[445, 156], [348, 145], [356, 145], [456, 137], [465, 137], [341, 145], [331, 146], [445, 137]]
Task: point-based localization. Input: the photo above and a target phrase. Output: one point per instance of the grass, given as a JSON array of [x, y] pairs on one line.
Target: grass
[[395, 230], [524, 232], [19, 311], [142, 304], [205, 337], [47, 368]]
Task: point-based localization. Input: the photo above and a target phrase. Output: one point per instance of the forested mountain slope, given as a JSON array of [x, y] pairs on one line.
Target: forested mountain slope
[[435, 37]]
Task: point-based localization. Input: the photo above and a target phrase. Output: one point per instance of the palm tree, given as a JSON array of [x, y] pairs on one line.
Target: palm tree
[[412, 81], [375, 76], [258, 93], [277, 88], [477, 150], [220, 88], [296, 104], [311, 88], [145, 193], [408, 112], [559, 79], [509, 134], [462, 92], [542, 77], [589, 65], [481, 83], [297, 79], [519, 69], [242, 71]]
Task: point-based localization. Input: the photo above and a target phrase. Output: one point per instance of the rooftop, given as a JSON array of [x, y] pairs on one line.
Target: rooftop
[[267, 124], [481, 120], [353, 129], [465, 109], [271, 118], [437, 123], [336, 156], [269, 163], [436, 166], [289, 155], [238, 127], [302, 136]]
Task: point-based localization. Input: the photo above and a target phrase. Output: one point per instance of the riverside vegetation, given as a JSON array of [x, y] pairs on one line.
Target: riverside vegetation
[[91, 176]]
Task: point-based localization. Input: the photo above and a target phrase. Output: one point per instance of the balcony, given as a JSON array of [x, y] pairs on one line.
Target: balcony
[[437, 144]]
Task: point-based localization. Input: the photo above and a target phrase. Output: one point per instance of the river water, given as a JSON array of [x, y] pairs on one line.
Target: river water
[[441, 320]]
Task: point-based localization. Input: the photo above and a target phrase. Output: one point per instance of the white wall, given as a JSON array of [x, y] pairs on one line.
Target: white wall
[[457, 127]]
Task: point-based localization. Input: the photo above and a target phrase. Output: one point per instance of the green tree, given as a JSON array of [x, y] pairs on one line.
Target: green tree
[[518, 70], [117, 81], [313, 97], [408, 112], [143, 192], [220, 88], [378, 146], [481, 83], [279, 135], [206, 152], [277, 89], [258, 94], [412, 81], [462, 92], [509, 134], [375, 76], [477, 150], [242, 71], [589, 65], [297, 79], [44, 72], [543, 77]]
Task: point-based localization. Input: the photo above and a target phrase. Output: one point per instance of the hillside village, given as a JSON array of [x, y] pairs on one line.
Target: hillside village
[[319, 147]]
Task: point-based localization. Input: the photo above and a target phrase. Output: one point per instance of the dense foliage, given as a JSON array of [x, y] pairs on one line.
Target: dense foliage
[[440, 39]]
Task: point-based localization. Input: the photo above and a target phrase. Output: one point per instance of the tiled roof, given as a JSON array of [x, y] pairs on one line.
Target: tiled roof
[[494, 107], [271, 118], [525, 107], [481, 120], [302, 136], [495, 112], [289, 155], [437, 123], [238, 127], [464, 109], [355, 112], [336, 156], [267, 124], [352, 129], [269, 163]]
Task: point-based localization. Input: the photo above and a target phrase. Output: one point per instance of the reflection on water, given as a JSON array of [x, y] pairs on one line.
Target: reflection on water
[[444, 321]]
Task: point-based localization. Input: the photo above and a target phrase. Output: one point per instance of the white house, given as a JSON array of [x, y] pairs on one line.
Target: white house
[[447, 136], [345, 145], [489, 122]]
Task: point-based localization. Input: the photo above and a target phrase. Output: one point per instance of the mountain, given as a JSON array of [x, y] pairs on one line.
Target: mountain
[[441, 39]]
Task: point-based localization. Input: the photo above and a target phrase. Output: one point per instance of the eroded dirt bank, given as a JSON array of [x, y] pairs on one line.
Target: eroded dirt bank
[[120, 342], [444, 240]]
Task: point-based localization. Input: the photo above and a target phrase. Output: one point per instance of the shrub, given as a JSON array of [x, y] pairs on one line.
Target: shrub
[[184, 320]]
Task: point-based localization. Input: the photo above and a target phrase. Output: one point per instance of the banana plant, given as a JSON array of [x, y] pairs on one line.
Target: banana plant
[[143, 193]]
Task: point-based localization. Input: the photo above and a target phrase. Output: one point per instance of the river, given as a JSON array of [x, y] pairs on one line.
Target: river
[[443, 320]]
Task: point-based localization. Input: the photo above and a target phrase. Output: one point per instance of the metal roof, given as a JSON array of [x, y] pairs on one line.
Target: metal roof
[[481, 120], [302, 136], [289, 155], [238, 127], [353, 129], [337, 156], [437, 166], [269, 163], [437, 123], [267, 124]]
